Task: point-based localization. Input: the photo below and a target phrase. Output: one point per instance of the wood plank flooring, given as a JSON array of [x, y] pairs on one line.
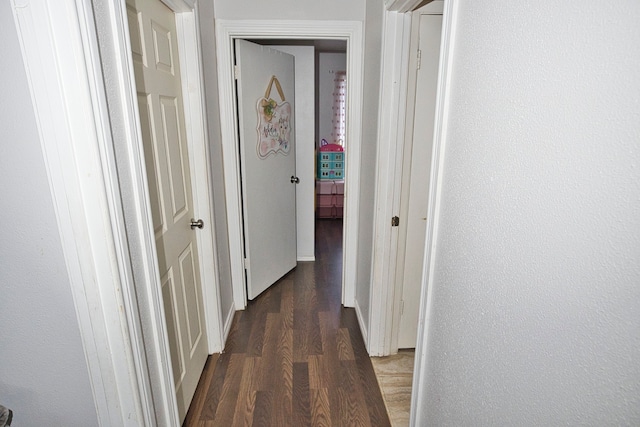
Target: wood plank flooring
[[295, 356]]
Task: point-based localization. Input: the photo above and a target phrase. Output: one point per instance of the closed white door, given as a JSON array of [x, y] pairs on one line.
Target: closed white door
[[416, 187], [267, 162], [157, 69]]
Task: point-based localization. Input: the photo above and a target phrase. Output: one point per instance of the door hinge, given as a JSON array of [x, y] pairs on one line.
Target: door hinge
[[395, 221], [236, 72], [245, 263], [419, 59], [401, 307]]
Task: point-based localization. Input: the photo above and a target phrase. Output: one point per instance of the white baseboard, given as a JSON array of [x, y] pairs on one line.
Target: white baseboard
[[306, 258], [227, 325], [363, 329]]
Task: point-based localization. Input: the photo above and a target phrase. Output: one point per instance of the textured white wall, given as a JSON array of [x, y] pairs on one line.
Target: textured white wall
[[535, 303], [305, 130], [290, 9], [328, 64], [43, 373]]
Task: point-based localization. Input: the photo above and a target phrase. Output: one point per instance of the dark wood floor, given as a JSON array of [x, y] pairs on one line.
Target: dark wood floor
[[294, 357]]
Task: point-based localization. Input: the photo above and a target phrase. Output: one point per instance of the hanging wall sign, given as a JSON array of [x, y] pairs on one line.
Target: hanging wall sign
[[274, 123]]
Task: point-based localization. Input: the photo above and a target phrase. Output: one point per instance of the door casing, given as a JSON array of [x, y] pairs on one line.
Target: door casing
[[351, 31], [433, 8]]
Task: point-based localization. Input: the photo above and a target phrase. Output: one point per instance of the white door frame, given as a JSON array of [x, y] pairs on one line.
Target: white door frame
[[102, 203], [391, 135], [351, 31], [435, 7], [391, 119]]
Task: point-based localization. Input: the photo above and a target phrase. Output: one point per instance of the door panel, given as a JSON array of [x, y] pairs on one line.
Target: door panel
[[268, 193], [418, 186], [157, 70], [151, 163], [176, 157]]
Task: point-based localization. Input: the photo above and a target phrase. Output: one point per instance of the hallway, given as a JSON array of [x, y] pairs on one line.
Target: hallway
[[294, 357]]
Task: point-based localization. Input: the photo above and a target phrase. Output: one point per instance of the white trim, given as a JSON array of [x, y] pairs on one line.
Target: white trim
[[125, 127], [447, 46], [306, 258], [228, 322], [59, 67], [404, 174], [363, 330], [95, 80], [404, 169], [402, 5], [193, 95], [351, 31], [391, 128]]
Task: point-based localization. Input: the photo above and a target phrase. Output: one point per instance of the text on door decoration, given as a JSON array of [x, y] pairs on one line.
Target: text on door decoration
[[274, 123]]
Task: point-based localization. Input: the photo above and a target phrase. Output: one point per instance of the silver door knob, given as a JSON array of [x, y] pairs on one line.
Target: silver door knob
[[199, 223], [294, 179]]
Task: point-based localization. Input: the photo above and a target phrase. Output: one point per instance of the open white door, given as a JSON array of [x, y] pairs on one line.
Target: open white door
[[154, 46], [268, 164]]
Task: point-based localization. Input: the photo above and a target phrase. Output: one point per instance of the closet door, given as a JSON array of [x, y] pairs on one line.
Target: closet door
[[415, 186]]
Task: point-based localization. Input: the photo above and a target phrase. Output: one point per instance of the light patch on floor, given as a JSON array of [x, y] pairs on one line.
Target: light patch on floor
[[394, 374]]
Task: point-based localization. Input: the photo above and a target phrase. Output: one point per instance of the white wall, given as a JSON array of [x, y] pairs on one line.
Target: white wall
[[210, 73], [535, 300], [371, 100], [290, 9], [305, 155], [43, 373], [328, 65]]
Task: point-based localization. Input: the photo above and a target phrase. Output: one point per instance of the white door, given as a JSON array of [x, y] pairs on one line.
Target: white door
[[267, 163], [157, 70], [416, 188]]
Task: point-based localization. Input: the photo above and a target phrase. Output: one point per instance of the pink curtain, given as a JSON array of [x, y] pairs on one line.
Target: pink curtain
[[339, 108]]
